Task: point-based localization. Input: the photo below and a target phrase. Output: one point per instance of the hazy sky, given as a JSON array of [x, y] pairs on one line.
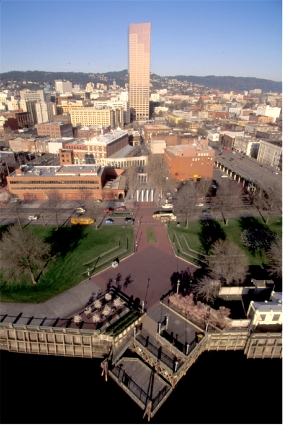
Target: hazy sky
[[236, 38]]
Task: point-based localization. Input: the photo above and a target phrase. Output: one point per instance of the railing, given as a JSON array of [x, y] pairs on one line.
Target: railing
[[123, 377], [156, 351], [162, 393]]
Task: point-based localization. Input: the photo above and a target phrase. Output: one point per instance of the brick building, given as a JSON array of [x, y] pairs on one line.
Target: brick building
[[190, 162], [103, 146], [68, 182], [55, 129]]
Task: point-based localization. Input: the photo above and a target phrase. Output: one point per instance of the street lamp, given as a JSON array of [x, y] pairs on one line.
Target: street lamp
[[88, 272], [178, 286]]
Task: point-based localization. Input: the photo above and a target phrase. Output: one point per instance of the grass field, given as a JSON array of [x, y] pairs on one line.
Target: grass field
[[72, 247], [150, 235], [201, 234]]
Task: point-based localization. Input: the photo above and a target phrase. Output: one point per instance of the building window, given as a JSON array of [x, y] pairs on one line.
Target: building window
[[276, 317], [262, 317]]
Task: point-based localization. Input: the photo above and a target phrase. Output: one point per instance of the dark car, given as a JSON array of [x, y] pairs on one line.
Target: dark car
[[109, 221], [129, 220]]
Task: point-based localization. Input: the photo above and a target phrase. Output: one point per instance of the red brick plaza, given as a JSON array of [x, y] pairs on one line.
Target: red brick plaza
[[149, 269]]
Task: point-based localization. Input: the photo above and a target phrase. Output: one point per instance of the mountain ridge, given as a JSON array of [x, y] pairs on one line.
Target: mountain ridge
[[225, 83]]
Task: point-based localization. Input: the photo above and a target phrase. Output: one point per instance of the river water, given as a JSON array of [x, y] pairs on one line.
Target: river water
[[220, 388]]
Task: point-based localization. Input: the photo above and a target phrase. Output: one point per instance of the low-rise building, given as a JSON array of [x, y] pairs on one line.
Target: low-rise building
[[270, 153], [190, 162], [68, 182], [157, 146], [55, 129]]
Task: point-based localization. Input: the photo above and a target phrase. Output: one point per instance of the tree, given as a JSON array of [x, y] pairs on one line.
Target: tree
[[275, 258], [203, 187], [22, 254], [266, 199], [228, 195], [158, 172], [131, 180], [207, 288], [228, 262], [186, 200], [94, 210]]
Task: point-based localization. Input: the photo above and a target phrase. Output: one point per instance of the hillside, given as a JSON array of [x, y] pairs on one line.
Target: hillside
[[225, 83]]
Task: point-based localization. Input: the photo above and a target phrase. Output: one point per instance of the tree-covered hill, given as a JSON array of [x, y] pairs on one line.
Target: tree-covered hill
[[225, 83]]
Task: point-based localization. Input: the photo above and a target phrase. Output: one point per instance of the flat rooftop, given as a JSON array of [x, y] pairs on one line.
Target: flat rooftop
[[52, 171]]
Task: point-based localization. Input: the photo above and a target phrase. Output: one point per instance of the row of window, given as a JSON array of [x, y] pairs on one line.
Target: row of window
[[44, 182]]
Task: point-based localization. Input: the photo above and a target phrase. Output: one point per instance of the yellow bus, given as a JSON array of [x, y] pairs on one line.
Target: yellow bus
[[82, 220]]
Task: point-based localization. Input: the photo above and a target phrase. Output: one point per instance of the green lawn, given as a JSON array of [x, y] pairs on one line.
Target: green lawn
[[72, 247], [150, 235], [201, 234]]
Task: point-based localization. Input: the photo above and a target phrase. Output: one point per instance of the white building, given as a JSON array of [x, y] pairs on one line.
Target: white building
[[247, 145], [29, 95], [267, 312], [157, 146], [268, 111], [45, 111], [270, 153], [63, 86], [213, 136]]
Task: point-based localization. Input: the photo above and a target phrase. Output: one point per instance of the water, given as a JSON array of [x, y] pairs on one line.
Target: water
[[221, 387]]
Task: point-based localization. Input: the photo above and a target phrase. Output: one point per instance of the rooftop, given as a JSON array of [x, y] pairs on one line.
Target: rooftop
[[49, 171]]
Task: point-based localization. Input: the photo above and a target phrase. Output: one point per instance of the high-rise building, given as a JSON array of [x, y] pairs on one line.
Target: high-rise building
[[139, 70]]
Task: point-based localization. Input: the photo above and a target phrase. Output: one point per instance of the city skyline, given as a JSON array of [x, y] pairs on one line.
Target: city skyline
[[233, 38]]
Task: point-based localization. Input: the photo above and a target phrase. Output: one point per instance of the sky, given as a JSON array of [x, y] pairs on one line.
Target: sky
[[224, 38]]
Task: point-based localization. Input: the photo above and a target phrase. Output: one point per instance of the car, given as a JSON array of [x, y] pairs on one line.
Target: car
[[33, 217], [108, 210], [224, 176], [129, 220], [80, 210], [109, 221], [274, 172], [207, 213], [98, 200], [121, 208], [199, 205], [167, 206]]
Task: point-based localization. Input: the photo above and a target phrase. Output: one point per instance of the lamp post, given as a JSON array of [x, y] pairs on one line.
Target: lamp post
[[88, 272], [178, 286]]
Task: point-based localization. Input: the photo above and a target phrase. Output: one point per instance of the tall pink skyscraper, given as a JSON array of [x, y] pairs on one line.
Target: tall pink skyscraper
[[139, 70]]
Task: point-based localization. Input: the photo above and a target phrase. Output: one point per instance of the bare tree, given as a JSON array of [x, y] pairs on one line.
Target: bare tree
[[22, 254], [229, 193], [158, 172], [267, 200], [207, 288], [228, 262], [275, 258], [131, 180], [203, 187], [94, 210], [186, 200]]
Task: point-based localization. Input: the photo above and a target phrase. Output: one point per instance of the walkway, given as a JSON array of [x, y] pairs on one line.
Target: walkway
[[145, 275]]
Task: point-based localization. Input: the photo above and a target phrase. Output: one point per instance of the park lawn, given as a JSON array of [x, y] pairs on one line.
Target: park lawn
[[195, 235], [150, 235], [72, 246]]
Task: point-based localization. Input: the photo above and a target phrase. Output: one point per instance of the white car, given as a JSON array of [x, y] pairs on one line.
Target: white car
[[33, 217], [80, 210], [167, 206], [199, 205], [224, 176]]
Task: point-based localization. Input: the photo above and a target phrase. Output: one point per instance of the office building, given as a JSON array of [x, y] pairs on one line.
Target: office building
[[139, 70]]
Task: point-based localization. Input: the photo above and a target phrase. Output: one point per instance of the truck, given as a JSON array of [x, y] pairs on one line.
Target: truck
[[82, 220], [164, 216]]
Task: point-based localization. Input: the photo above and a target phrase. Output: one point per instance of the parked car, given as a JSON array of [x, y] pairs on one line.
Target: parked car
[[129, 220], [167, 206], [207, 213], [108, 210], [80, 210], [121, 208], [98, 200], [109, 221], [224, 176], [199, 205], [33, 217]]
